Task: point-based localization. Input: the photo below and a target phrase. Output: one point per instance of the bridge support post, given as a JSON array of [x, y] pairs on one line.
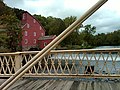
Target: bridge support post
[[18, 59]]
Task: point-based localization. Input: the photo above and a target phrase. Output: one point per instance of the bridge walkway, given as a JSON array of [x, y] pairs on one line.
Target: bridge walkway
[[38, 84]]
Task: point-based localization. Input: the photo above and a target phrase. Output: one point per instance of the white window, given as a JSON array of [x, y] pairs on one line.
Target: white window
[[34, 33], [26, 41], [40, 28], [34, 41], [45, 44], [34, 20], [41, 34], [26, 33], [28, 25], [24, 16]]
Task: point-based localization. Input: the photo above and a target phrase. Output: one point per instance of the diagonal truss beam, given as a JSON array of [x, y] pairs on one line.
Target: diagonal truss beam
[[51, 45]]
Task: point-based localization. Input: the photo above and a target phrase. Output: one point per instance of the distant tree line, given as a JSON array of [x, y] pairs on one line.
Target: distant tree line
[[108, 39], [54, 26], [82, 37]]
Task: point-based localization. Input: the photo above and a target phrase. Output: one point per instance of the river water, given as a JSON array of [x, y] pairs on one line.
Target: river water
[[101, 47], [102, 63]]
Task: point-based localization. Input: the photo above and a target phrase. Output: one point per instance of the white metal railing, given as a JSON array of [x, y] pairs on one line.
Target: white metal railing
[[61, 63]]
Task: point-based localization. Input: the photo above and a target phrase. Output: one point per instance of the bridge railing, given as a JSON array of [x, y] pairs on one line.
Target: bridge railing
[[98, 63], [11, 62]]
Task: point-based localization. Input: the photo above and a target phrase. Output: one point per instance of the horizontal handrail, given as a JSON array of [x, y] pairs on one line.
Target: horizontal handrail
[[11, 62], [62, 51]]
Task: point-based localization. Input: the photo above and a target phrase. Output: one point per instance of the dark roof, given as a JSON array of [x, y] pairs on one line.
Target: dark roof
[[35, 19], [47, 37]]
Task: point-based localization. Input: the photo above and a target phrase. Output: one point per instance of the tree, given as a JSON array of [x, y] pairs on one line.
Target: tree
[[3, 38], [87, 35], [13, 29], [2, 7], [108, 39], [18, 13], [69, 20], [99, 39], [73, 38], [14, 33], [55, 26]]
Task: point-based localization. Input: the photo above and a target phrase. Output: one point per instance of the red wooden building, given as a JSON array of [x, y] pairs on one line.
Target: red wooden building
[[33, 33]]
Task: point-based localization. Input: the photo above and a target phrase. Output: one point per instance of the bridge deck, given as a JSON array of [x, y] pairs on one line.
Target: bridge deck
[[38, 84]]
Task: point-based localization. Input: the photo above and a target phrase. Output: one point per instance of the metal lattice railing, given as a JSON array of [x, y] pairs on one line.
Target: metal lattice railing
[[62, 63]]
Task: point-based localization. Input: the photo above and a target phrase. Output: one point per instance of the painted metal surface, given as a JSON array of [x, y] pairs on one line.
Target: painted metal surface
[[86, 63]]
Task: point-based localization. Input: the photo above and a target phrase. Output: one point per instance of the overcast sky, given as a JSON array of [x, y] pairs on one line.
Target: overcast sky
[[106, 19]]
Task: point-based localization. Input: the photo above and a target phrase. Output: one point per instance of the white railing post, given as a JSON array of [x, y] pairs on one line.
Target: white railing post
[[18, 59]]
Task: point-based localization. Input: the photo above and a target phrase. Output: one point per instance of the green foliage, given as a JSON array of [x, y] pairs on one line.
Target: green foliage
[[109, 39], [18, 13], [2, 7], [56, 26], [42, 19], [13, 36], [69, 20], [87, 35], [13, 32], [73, 38], [10, 18], [3, 38]]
